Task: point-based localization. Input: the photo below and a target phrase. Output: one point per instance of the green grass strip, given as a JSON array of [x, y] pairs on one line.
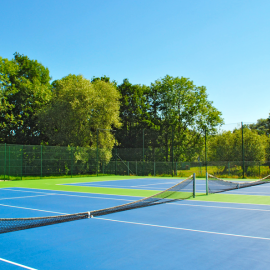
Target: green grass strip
[[57, 185]]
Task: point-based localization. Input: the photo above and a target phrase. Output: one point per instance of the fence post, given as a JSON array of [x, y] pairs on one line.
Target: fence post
[[9, 162], [128, 167], [172, 150], [143, 152], [205, 142], [97, 152], [243, 153], [71, 161], [115, 169], [194, 185], [259, 169], [5, 161], [41, 161], [22, 163], [206, 183], [136, 168], [154, 168]]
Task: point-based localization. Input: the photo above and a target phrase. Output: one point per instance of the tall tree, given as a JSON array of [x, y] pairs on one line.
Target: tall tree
[[179, 106], [25, 90], [78, 109], [134, 114]]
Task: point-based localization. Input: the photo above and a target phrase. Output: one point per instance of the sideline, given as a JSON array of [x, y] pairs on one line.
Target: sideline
[[17, 264]]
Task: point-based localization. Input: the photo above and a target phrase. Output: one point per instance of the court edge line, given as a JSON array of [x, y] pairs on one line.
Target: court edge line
[[17, 264], [209, 206], [184, 229], [26, 197], [67, 191], [12, 189], [26, 208]]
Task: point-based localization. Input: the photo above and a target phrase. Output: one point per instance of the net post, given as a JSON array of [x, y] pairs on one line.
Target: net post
[[206, 183], [194, 185]]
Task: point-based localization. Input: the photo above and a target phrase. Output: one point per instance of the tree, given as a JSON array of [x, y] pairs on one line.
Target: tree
[[25, 90], [262, 126], [179, 106], [78, 109], [227, 146], [134, 114]]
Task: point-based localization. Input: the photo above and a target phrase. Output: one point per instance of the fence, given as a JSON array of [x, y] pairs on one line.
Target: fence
[[28, 161]]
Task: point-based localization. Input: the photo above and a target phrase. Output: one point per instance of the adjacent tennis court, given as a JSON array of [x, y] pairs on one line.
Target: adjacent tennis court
[[187, 234]]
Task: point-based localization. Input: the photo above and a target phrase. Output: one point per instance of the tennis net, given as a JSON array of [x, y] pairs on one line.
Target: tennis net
[[217, 185], [180, 191], [17, 224]]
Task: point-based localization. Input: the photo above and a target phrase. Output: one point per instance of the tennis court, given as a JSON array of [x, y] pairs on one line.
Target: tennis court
[[187, 234], [159, 184]]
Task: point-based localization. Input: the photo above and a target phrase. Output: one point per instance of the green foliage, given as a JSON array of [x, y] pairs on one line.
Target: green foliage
[[77, 109], [262, 126], [25, 90], [176, 102], [134, 113], [227, 146]]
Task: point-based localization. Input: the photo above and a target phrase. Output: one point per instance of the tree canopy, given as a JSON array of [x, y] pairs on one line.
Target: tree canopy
[[25, 89], [227, 146], [77, 109]]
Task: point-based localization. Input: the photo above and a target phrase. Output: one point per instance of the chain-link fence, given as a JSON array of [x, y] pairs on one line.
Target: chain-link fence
[[234, 151]]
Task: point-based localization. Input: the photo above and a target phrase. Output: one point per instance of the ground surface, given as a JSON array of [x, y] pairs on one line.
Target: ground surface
[[219, 231]]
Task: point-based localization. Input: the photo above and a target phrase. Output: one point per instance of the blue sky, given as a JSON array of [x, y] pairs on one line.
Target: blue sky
[[223, 45]]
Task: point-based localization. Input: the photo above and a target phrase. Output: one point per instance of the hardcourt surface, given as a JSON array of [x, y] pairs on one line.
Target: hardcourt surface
[[189, 234]]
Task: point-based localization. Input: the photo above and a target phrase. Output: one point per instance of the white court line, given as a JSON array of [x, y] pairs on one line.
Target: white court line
[[179, 204], [154, 184], [33, 209], [135, 197], [11, 198], [245, 193], [17, 264], [185, 229], [104, 198], [19, 190], [222, 207], [103, 181]]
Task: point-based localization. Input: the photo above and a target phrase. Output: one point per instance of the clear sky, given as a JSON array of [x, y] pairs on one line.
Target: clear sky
[[221, 44]]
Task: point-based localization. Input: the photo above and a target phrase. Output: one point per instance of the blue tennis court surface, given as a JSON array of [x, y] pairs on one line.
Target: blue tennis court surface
[[164, 183], [180, 235]]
